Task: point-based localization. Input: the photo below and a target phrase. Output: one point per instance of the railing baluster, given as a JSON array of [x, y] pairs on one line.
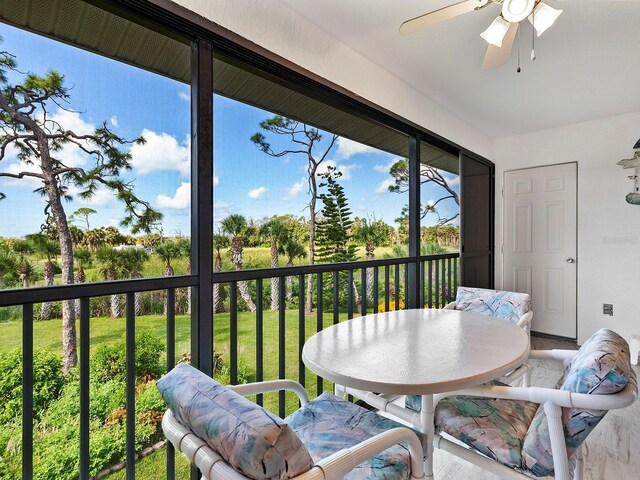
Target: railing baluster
[[336, 297], [171, 360], [448, 280], [131, 385], [437, 289], [397, 287], [430, 288], [259, 337], [27, 391], [363, 282], [282, 372], [319, 326], [350, 294], [386, 288], [443, 281], [84, 388], [233, 333], [406, 285], [455, 278], [302, 324], [422, 284], [375, 290]]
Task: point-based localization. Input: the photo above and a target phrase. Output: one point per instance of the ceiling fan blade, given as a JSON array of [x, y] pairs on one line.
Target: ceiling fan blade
[[496, 56], [437, 16]]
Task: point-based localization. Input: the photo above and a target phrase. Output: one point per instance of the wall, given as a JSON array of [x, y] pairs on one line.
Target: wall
[[293, 37], [608, 227]]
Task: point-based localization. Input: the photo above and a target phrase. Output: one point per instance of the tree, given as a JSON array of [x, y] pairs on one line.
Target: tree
[[83, 257], [291, 248], [400, 173], [111, 267], [235, 226], [28, 127], [48, 250], [23, 265], [373, 234], [275, 230], [168, 252], [306, 141], [220, 241], [82, 215], [334, 240], [7, 265], [132, 263]]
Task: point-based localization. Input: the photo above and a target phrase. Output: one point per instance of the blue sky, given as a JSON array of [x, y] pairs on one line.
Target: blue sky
[[135, 102]]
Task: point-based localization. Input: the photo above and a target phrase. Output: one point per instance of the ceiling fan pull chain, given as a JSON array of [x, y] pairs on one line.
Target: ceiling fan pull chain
[[519, 69], [533, 38]]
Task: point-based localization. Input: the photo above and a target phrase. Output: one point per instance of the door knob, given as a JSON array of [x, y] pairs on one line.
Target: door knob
[[571, 260]]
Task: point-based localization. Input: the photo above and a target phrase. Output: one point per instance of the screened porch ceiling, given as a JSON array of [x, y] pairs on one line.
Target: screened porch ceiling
[[89, 27]]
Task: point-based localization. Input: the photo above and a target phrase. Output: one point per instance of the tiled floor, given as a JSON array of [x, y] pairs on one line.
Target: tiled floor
[[612, 450]]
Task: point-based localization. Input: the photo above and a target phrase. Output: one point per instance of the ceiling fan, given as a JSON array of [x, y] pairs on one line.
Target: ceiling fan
[[501, 33]]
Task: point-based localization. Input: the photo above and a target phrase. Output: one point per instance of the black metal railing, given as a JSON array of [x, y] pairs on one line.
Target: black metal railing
[[255, 351]]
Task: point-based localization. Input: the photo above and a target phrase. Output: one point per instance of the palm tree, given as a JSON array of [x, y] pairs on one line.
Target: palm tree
[[111, 267], [276, 231], [184, 244], [168, 252], [133, 262], [24, 266], [48, 250], [292, 248], [83, 257], [219, 242], [235, 226], [372, 235]]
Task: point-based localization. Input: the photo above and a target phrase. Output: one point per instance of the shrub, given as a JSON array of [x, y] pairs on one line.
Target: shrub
[[109, 362], [47, 382]]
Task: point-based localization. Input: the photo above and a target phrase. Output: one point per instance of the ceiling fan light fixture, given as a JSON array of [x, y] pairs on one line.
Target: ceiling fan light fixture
[[517, 10], [543, 17], [496, 31]]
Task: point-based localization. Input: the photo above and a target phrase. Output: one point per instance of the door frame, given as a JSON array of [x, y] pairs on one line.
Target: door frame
[[504, 212]]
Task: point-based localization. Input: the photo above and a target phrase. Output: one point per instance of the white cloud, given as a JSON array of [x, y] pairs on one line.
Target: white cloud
[[344, 169], [70, 121], [383, 187], [257, 193], [15, 169], [348, 148], [181, 199], [114, 121], [453, 181], [102, 196], [216, 180], [385, 168], [161, 152], [295, 189], [184, 96]]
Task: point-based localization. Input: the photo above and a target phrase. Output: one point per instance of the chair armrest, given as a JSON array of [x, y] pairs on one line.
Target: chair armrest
[[562, 398], [564, 356], [450, 306], [342, 462], [271, 386], [525, 321]]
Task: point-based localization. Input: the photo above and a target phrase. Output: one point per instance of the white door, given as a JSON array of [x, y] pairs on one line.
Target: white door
[[540, 243]]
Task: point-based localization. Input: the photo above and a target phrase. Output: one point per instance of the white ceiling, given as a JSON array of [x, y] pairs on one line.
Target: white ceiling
[[588, 63]]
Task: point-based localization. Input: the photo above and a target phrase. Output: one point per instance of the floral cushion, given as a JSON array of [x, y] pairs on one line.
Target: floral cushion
[[601, 367], [510, 306], [494, 427], [252, 440], [329, 424]]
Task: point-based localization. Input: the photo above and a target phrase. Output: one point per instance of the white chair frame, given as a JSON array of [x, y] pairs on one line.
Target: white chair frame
[[334, 467], [553, 401]]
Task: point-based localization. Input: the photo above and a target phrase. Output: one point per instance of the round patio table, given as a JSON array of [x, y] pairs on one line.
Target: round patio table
[[417, 352]]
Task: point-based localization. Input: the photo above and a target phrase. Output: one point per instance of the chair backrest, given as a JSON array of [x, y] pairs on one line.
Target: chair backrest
[[250, 439], [602, 366], [510, 306]]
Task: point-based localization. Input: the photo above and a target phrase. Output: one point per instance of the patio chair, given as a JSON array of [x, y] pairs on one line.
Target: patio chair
[[520, 432], [228, 437]]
